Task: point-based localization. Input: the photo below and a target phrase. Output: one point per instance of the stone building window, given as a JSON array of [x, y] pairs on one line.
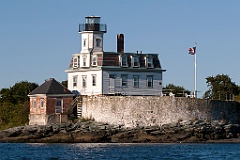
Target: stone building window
[[58, 108], [41, 103], [34, 103]]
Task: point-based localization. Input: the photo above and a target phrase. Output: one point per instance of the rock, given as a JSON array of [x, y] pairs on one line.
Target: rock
[[90, 131], [186, 122]]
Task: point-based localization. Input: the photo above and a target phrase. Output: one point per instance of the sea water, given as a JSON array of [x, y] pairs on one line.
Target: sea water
[[119, 151]]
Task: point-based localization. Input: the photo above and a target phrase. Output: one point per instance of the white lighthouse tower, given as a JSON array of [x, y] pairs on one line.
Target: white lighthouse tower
[[92, 40]]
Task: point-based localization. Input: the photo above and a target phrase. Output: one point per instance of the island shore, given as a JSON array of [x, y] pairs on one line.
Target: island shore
[[89, 131]]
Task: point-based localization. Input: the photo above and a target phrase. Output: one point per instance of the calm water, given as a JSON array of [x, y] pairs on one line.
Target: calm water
[[118, 151]]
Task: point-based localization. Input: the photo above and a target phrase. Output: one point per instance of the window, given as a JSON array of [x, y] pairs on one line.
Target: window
[[135, 62], [94, 61], [74, 81], [149, 62], [124, 80], [98, 42], [41, 103], [84, 43], [75, 62], [84, 62], [34, 103], [135, 81], [94, 80], [113, 76], [149, 81], [58, 108], [84, 81], [124, 61]]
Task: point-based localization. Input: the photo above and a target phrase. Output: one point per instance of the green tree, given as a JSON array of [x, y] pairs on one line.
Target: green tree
[[21, 89], [177, 90], [65, 83], [221, 87], [6, 96], [14, 104]]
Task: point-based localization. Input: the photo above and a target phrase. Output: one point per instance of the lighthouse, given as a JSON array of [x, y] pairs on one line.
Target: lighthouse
[[93, 71], [91, 40]]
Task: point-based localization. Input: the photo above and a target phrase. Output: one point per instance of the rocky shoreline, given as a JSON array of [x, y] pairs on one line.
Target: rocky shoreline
[[93, 132]]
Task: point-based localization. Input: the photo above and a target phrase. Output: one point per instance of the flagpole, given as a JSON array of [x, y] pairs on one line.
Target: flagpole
[[195, 71]]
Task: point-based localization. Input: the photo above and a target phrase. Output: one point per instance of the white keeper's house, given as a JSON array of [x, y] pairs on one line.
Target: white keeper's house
[[95, 72]]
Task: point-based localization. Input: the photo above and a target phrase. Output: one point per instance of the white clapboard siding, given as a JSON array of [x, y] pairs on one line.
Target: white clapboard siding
[[109, 88]]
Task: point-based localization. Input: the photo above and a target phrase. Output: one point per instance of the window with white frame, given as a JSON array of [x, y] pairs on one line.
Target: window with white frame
[[124, 61], [41, 103], [94, 60], [124, 80], [58, 108], [84, 43], [149, 62], [84, 61], [84, 81], [75, 62], [94, 79], [135, 61], [34, 103], [98, 42], [75, 81], [150, 81], [135, 81]]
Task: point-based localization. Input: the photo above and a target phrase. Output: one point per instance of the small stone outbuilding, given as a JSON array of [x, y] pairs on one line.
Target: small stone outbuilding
[[48, 102]]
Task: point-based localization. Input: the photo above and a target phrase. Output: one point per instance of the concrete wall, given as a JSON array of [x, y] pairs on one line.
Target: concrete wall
[[43, 119], [39, 119], [133, 111]]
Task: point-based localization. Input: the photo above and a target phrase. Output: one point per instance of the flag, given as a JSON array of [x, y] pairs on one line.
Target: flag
[[192, 50]]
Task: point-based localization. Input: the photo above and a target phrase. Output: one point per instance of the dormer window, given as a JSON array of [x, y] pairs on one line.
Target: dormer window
[[149, 62], [135, 61], [124, 61], [75, 62], [94, 61]]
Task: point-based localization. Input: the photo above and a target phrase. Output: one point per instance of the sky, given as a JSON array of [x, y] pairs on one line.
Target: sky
[[38, 38]]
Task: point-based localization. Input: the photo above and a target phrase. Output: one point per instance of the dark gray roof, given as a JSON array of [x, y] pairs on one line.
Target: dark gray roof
[[51, 87]]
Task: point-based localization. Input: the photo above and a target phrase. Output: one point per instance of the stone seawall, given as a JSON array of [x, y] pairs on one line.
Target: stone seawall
[[132, 111]]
